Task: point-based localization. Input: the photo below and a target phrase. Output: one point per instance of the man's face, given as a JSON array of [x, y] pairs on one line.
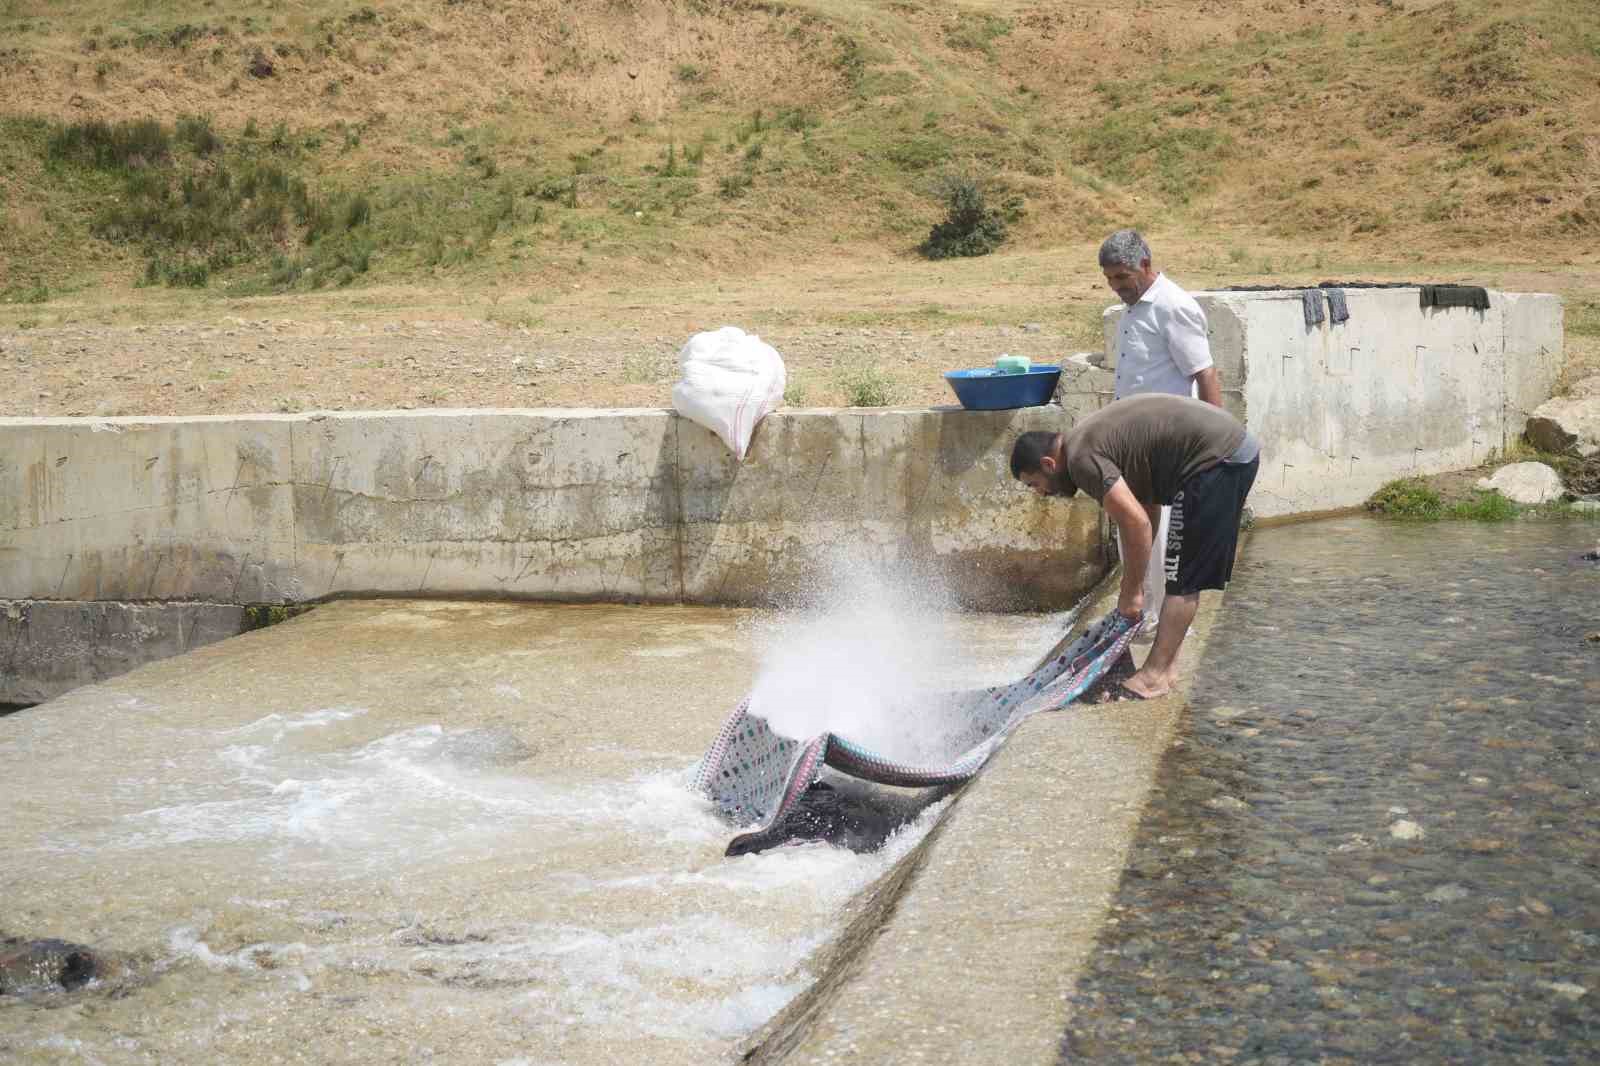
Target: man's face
[[1039, 482], [1129, 283], [1048, 480]]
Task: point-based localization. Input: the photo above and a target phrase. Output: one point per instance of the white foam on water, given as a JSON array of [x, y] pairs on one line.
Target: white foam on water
[[412, 797], [695, 977], [831, 875], [278, 725], [715, 974]]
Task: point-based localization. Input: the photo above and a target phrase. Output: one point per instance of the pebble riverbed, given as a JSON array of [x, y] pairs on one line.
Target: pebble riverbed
[[1376, 838]]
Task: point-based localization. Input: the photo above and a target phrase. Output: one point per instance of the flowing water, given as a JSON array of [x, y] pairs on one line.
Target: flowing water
[[1377, 839], [408, 831]]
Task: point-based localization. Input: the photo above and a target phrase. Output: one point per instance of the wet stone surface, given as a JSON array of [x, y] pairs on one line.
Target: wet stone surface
[[1376, 839]]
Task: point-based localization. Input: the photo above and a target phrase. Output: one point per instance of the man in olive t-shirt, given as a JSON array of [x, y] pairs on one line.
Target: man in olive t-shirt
[[1136, 456]]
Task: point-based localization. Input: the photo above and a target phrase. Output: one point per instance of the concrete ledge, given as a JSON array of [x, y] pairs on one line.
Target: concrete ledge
[[52, 647], [1001, 903], [627, 505]]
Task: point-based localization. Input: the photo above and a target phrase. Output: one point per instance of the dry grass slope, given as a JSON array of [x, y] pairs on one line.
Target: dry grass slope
[[534, 138]]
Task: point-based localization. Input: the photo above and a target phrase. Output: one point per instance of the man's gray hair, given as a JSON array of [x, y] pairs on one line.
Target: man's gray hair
[[1124, 248]]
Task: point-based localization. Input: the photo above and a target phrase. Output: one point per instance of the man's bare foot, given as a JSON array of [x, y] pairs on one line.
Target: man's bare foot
[[1140, 687]]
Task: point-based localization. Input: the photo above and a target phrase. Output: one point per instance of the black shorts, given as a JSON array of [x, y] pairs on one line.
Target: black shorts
[[1203, 532]]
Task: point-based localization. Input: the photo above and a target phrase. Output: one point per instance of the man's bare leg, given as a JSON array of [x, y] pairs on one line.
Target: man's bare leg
[[1160, 669]]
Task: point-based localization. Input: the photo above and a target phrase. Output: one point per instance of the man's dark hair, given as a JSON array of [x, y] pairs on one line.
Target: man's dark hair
[[1029, 449]]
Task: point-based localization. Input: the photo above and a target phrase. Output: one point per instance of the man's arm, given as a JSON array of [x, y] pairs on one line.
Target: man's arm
[[1137, 535], [1190, 347]]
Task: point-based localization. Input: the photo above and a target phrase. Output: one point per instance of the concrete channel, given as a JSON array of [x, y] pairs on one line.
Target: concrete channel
[[126, 541]]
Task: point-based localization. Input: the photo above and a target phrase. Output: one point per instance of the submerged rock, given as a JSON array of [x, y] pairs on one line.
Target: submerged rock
[[485, 748], [36, 965]]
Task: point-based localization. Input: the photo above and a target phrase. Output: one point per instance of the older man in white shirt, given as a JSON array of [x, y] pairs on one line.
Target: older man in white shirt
[[1161, 347]]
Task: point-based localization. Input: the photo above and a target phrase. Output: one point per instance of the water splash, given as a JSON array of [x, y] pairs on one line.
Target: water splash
[[866, 658]]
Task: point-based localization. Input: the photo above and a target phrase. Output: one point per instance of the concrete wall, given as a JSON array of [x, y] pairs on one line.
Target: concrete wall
[[50, 647], [1394, 391], [572, 505], [643, 505]]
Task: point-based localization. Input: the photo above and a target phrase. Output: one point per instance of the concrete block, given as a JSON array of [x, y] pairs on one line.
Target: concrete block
[[1084, 387], [911, 488], [999, 546], [1394, 391], [1109, 318], [1535, 345], [125, 508], [54, 646], [1225, 329], [569, 504]]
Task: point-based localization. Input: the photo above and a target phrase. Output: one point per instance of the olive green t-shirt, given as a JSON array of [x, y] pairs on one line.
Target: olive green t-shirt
[[1155, 442]]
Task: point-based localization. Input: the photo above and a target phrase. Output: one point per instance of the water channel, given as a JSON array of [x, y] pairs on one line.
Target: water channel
[[1377, 838], [420, 831]]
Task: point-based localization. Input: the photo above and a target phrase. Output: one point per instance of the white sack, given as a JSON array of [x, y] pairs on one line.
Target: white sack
[[729, 381]]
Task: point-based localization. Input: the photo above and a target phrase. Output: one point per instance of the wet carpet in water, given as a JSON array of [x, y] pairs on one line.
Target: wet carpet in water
[[1377, 838]]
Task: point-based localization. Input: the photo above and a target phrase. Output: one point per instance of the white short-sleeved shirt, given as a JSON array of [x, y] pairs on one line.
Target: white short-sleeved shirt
[[1161, 342]]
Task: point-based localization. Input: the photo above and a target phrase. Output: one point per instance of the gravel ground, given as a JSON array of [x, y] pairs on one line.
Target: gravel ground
[[238, 365]]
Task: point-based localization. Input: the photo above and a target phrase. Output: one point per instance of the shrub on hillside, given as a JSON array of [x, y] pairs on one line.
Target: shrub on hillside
[[970, 226], [194, 207], [104, 146]]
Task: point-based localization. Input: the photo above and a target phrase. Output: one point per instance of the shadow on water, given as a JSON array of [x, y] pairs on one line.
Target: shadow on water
[[1376, 839]]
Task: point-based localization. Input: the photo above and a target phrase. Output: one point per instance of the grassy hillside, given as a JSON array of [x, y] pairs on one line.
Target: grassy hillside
[[300, 145]]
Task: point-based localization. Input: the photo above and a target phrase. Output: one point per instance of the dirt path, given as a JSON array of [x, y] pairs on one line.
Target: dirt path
[[611, 344]]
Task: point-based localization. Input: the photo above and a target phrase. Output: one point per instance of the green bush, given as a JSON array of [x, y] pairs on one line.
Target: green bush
[[103, 146], [919, 152], [1407, 498], [357, 211], [1486, 505], [36, 292], [196, 132], [177, 273], [970, 227]]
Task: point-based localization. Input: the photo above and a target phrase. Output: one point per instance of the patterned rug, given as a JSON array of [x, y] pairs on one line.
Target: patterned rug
[[756, 776]]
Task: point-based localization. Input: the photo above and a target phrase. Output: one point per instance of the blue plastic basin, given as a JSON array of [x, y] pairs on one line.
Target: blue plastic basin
[[987, 389]]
